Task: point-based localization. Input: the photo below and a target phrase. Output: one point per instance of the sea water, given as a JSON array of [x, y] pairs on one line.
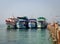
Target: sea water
[[24, 36]]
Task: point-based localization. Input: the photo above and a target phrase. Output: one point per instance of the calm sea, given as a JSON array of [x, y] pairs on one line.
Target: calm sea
[[24, 36]]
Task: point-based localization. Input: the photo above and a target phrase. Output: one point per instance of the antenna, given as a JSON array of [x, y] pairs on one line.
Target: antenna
[[13, 15]]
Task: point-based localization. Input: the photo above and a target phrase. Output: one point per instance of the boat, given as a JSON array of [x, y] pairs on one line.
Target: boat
[[32, 23], [22, 22], [41, 22], [11, 23], [25, 23]]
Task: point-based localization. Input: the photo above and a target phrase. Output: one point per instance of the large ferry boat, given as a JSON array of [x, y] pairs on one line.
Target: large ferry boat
[[41, 22], [11, 22], [32, 23], [22, 22]]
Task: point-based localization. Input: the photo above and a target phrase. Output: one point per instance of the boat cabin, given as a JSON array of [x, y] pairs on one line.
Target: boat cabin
[[22, 22], [32, 23], [41, 22]]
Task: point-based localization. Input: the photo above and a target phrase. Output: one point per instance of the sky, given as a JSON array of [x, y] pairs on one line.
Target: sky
[[30, 8]]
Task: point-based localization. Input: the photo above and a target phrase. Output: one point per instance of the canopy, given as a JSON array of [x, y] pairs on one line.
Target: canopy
[[41, 19]]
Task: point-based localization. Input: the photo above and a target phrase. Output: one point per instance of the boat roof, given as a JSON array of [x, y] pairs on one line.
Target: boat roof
[[22, 17], [42, 18], [33, 20]]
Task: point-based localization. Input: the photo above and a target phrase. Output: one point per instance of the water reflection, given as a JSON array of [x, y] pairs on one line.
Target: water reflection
[[11, 30], [24, 36]]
